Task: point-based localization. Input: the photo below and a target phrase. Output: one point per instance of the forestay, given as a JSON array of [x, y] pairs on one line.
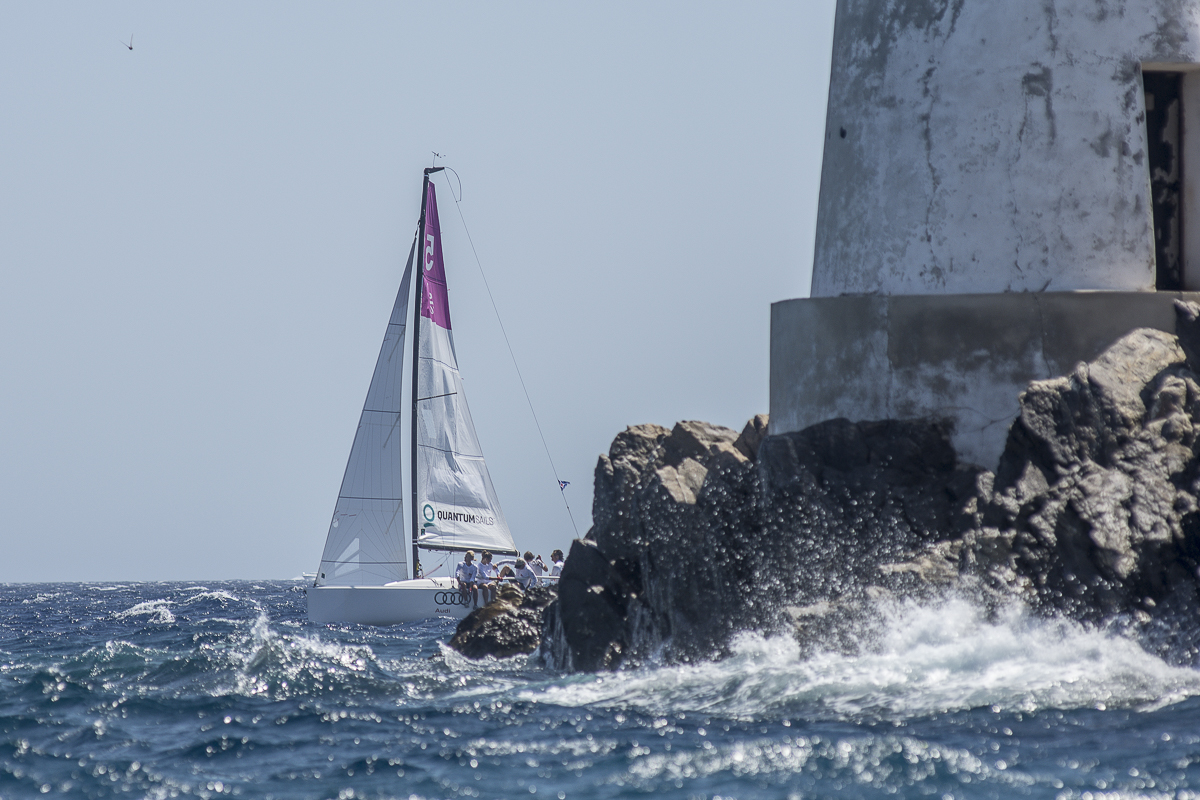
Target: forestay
[[457, 508], [366, 544]]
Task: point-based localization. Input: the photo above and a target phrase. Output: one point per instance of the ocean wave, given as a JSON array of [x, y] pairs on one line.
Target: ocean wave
[[277, 665], [920, 660], [219, 596], [114, 666], [490, 671], [878, 762], [256, 659], [1126, 794], [41, 597], [159, 612]]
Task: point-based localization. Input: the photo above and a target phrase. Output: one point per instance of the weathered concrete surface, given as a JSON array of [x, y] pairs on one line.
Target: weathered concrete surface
[[961, 358], [981, 146]]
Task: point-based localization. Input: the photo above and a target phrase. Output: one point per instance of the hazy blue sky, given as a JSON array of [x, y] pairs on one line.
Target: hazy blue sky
[[201, 239]]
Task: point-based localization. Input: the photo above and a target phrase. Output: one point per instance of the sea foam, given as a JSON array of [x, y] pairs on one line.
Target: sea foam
[[919, 660], [158, 611]]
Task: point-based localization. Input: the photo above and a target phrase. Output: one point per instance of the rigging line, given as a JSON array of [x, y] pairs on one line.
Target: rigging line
[[452, 188], [512, 355], [436, 396], [428, 572]]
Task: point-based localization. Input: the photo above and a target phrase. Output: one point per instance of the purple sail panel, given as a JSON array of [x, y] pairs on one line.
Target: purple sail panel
[[434, 304]]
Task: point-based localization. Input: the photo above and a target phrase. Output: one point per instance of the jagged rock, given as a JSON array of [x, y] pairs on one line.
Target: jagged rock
[[842, 624], [1097, 487], [593, 617], [510, 625], [671, 508], [712, 532], [1187, 328], [752, 436], [938, 564]]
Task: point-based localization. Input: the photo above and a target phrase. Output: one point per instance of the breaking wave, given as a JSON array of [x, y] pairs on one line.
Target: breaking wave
[[157, 611], [919, 660]]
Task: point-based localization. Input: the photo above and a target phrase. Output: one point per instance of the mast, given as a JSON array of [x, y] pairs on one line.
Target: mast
[[418, 298]]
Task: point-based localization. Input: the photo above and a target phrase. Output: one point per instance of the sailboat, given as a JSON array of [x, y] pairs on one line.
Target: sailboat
[[370, 569]]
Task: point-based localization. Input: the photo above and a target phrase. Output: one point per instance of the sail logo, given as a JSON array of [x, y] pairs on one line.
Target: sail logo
[[455, 598], [427, 512], [458, 516]]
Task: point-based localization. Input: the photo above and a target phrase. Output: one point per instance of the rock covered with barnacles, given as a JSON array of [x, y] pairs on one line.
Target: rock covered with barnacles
[[508, 626]]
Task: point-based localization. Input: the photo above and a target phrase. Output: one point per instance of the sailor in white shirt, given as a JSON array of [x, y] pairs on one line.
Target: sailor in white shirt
[[467, 574], [525, 576], [556, 563], [535, 564], [488, 574]]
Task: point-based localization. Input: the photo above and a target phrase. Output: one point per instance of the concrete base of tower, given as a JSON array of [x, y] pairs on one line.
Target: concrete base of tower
[[964, 358]]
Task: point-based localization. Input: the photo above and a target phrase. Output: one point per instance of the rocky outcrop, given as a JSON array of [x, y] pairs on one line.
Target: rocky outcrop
[[1093, 510], [700, 532], [669, 517], [591, 628], [508, 626]]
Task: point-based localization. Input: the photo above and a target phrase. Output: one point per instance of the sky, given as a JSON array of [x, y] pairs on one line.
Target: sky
[[201, 240]]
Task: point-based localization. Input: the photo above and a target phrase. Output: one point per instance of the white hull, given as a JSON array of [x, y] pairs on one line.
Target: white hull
[[390, 604]]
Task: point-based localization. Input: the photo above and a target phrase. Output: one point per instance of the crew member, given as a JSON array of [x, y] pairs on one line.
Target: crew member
[[488, 575], [525, 576], [536, 564], [467, 575]]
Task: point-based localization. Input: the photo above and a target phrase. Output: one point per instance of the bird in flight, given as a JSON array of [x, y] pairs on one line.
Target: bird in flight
[[128, 44]]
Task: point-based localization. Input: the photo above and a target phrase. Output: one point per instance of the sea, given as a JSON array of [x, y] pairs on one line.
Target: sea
[[223, 688]]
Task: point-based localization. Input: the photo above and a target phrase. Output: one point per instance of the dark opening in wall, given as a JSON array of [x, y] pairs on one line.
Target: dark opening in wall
[[1164, 137]]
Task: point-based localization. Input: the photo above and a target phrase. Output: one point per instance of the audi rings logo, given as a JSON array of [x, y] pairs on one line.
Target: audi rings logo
[[450, 599]]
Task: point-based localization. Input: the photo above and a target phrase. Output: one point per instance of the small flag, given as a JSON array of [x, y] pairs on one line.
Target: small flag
[[563, 484]]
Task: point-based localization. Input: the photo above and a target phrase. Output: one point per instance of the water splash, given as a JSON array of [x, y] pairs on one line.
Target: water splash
[[158, 611], [218, 596], [919, 660], [279, 665]]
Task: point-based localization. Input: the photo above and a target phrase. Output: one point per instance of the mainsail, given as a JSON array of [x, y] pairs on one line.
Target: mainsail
[[456, 505], [366, 544]]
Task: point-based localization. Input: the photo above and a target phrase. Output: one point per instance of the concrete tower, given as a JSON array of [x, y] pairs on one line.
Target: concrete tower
[[1007, 188]]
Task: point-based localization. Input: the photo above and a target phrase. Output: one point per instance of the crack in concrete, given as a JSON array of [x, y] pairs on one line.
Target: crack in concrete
[[955, 11], [1051, 20], [934, 181]]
